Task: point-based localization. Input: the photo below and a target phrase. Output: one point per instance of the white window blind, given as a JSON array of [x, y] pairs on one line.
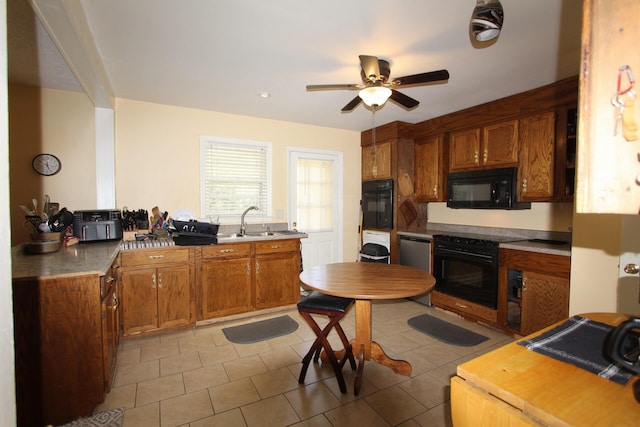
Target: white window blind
[[234, 176], [315, 195]]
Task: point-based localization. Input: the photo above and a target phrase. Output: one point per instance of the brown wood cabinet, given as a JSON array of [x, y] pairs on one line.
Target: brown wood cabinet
[[537, 157], [493, 145], [241, 277], [66, 336], [533, 290], [157, 289], [429, 169], [376, 161], [225, 280], [277, 267]]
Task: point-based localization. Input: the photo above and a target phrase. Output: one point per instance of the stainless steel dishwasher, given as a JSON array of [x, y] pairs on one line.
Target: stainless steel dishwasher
[[416, 252]]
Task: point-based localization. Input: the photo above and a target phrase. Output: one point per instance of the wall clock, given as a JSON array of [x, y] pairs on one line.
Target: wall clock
[[46, 164]]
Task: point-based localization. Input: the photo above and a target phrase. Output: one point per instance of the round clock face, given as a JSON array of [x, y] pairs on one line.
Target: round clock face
[[46, 164]]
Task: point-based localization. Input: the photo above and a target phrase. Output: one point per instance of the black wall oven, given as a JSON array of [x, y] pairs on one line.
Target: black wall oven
[[467, 269], [377, 204]]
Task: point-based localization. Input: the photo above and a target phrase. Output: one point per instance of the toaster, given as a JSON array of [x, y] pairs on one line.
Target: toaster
[[97, 225]]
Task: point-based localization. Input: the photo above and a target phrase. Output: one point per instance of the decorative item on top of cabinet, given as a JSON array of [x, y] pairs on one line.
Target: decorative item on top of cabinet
[[533, 290], [537, 157], [429, 169], [376, 161], [496, 145], [157, 289], [608, 170]]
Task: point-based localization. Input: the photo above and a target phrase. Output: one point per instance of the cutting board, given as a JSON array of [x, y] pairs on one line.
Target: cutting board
[[405, 185], [408, 211]]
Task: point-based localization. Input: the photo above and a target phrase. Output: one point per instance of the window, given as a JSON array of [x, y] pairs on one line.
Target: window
[[234, 175], [315, 208]]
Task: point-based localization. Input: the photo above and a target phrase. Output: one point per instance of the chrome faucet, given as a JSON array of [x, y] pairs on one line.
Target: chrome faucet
[[243, 225]]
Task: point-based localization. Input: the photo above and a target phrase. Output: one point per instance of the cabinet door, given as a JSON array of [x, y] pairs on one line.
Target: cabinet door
[[464, 150], [139, 300], [545, 300], [537, 136], [429, 169], [500, 144], [226, 287], [277, 280], [174, 296], [110, 306], [376, 161]]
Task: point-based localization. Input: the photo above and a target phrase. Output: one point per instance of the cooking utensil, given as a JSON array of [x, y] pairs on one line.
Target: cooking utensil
[[408, 211], [405, 184], [34, 204], [45, 207], [61, 220], [35, 220], [27, 210]]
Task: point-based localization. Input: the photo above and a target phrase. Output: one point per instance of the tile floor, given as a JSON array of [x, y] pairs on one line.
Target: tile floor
[[198, 378]]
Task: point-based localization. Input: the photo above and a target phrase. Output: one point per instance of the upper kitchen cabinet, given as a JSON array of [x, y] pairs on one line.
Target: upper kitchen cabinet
[[493, 145], [380, 157], [429, 169], [608, 172], [537, 154], [376, 161]]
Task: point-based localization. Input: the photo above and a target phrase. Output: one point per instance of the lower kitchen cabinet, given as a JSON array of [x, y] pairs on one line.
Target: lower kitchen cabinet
[[225, 280], [533, 290], [157, 289], [277, 273], [237, 278], [66, 337]]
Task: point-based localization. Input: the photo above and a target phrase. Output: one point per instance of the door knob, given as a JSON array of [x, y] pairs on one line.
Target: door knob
[[632, 269]]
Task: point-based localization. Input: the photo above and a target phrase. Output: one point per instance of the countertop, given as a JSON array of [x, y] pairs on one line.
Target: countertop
[[516, 239], [77, 260]]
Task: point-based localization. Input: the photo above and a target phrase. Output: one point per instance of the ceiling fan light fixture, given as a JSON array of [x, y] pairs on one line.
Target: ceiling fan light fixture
[[375, 95], [486, 20]]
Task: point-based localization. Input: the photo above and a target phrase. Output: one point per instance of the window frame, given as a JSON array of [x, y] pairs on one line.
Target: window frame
[[234, 218]]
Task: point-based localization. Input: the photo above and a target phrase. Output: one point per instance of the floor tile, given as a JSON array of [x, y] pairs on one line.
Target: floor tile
[[233, 395], [275, 382], [244, 367], [395, 405], [159, 389], [131, 374], [357, 413], [311, 400], [185, 408], [143, 416], [274, 411], [179, 363], [206, 377], [232, 418]]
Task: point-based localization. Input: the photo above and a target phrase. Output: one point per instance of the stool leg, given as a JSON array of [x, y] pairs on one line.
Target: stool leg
[[348, 351]]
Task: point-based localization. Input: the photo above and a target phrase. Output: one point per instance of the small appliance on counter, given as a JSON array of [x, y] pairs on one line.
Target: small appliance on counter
[[97, 225]]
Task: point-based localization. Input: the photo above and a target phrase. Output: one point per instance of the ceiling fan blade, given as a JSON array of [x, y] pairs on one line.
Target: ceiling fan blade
[[414, 79], [351, 105], [370, 67], [404, 100], [334, 87]]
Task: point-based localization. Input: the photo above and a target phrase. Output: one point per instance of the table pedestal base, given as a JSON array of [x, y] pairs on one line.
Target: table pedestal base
[[378, 355]]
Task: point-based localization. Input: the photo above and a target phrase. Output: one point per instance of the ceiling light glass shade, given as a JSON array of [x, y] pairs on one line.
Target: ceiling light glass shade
[[375, 95], [486, 20]]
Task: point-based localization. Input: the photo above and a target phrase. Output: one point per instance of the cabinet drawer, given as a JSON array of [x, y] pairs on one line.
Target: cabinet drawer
[[276, 246], [464, 308], [226, 250], [148, 257]]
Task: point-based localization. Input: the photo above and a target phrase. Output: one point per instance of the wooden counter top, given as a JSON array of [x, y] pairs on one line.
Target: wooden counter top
[[542, 388], [76, 260]]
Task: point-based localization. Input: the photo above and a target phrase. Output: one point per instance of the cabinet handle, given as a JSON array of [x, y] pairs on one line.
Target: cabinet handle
[[159, 280], [110, 279], [248, 269], [524, 184], [461, 305], [524, 285], [257, 268], [156, 256], [226, 251], [485, 154], [153, 281], [276, 246], [435, 190], [116, 302]]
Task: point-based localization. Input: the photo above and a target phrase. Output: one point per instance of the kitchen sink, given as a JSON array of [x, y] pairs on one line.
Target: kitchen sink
[[254, 234]]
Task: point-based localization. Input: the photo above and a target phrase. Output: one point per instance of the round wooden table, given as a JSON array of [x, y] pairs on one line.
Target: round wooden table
[[366, 281]]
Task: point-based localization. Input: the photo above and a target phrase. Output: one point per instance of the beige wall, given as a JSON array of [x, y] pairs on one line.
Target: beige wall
[[541, 216], [57, 122]]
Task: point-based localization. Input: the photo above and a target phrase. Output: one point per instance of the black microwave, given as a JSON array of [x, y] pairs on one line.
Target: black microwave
[[484, 189]]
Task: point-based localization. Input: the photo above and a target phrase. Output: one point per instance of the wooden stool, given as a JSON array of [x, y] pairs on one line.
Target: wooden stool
[[335, 308]]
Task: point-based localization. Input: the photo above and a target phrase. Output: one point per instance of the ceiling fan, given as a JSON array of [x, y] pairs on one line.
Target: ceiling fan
[[376, 88]]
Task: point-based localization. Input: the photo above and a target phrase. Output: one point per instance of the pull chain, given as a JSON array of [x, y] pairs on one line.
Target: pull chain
[[374, 169]]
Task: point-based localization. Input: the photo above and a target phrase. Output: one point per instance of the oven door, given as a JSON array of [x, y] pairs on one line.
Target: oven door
[[469, 276], [377, 205]]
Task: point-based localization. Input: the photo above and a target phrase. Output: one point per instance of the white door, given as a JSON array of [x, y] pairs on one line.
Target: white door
[[314, 203], [629, 282]]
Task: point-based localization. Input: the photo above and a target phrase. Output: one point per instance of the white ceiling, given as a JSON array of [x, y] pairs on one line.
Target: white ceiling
[[218, 55]]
